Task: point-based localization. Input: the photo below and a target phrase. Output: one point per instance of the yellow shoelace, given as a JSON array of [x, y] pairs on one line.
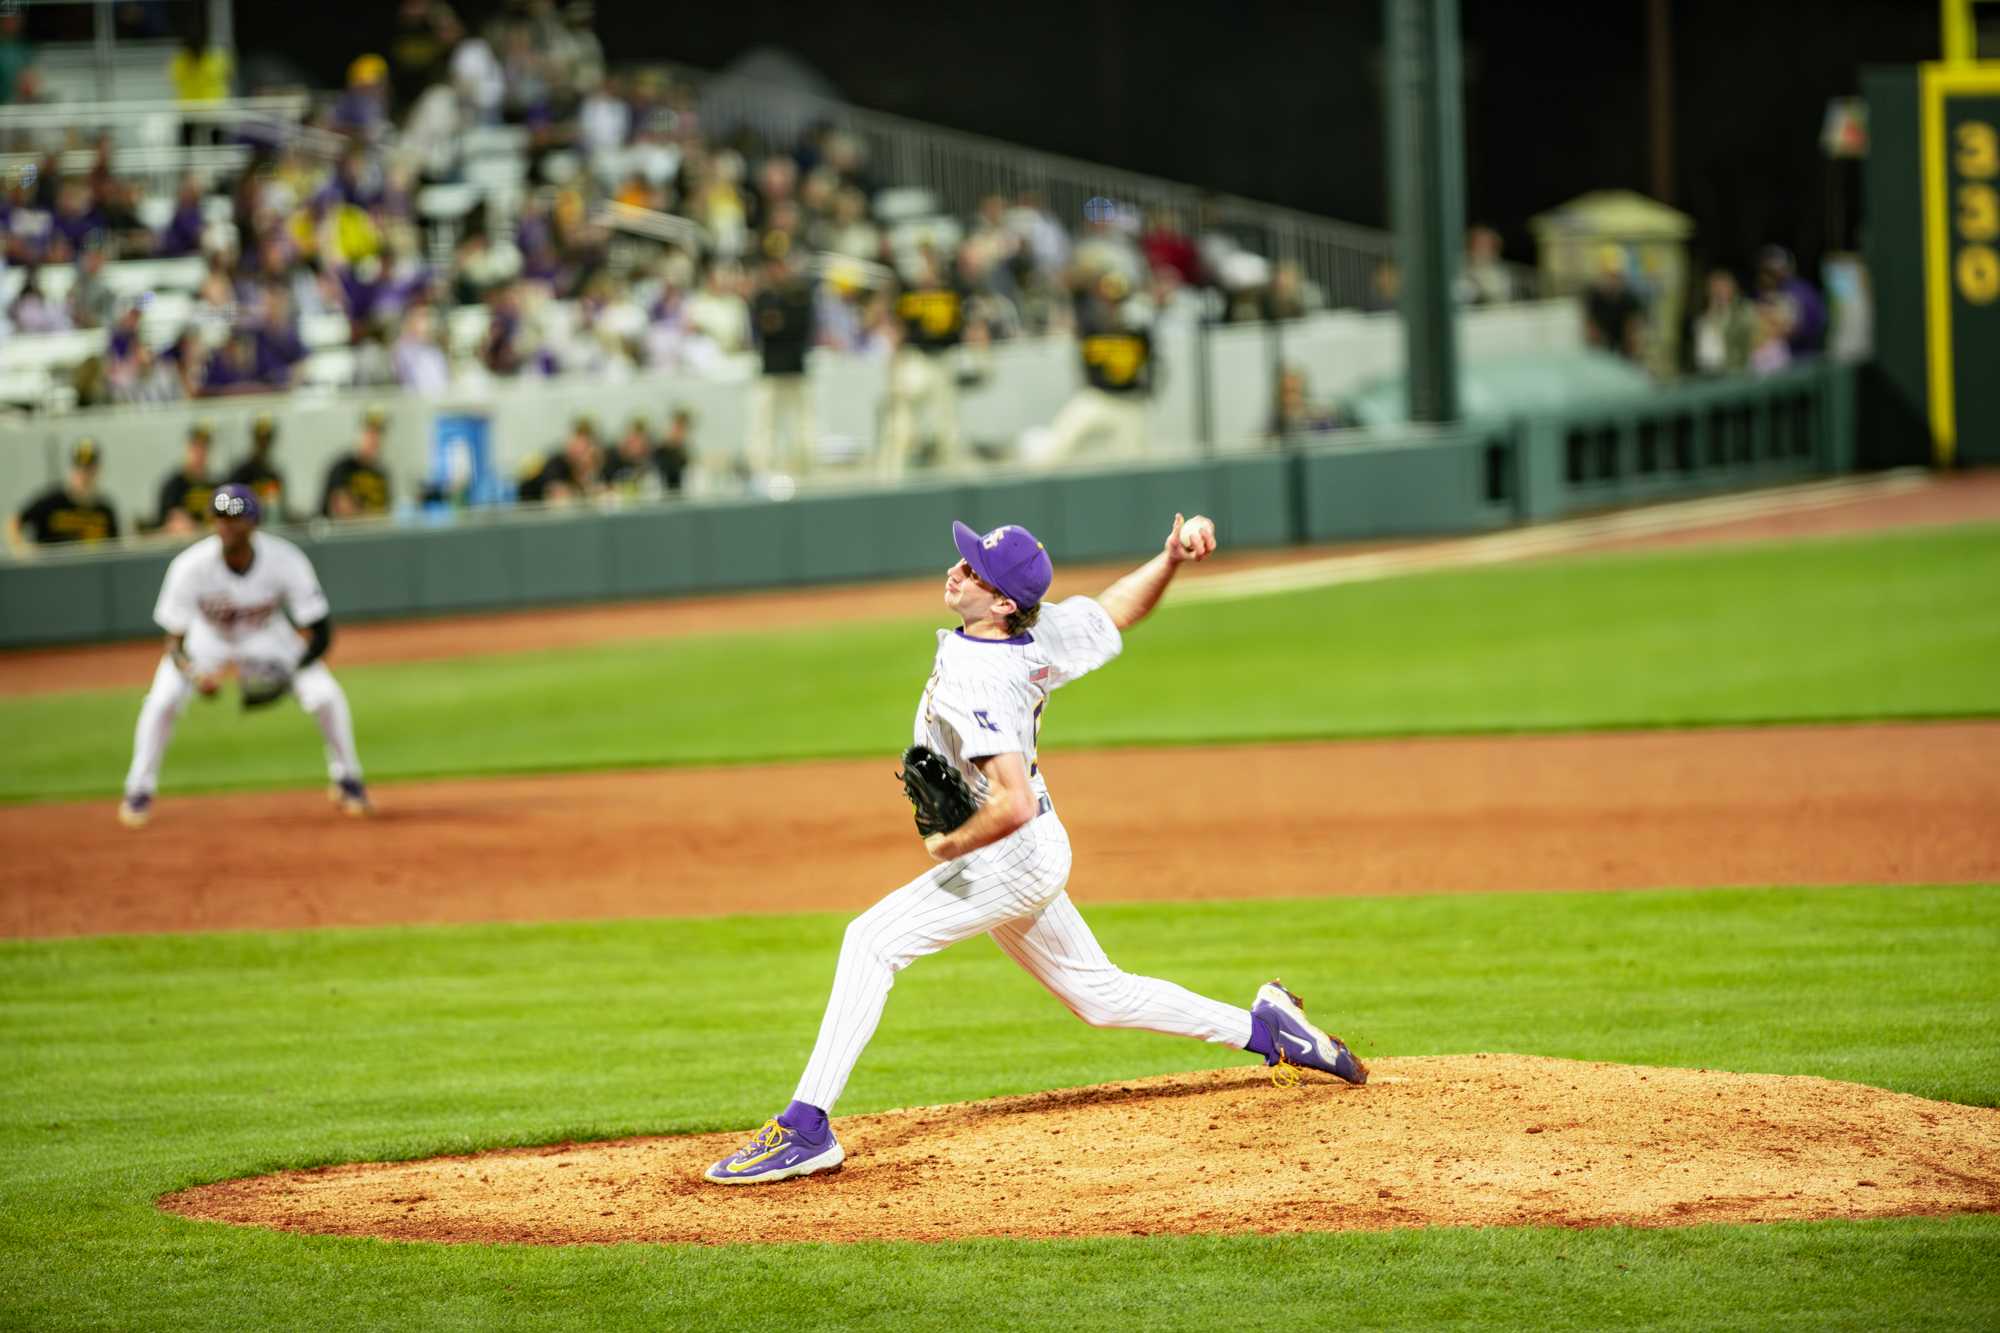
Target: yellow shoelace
[[1285, 1074]]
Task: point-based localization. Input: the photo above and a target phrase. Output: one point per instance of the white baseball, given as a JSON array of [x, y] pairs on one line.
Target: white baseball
[[1191, 530]]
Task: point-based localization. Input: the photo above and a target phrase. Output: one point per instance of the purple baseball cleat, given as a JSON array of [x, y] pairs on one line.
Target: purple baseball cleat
[[1283, 1016], [350, 797], [780, 1151]]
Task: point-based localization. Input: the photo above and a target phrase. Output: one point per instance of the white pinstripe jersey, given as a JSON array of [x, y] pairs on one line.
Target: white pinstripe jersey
[[987, 696], [200, 585]]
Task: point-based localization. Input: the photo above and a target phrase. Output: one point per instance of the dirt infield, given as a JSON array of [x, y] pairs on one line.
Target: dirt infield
[[1459, 1140], [1887, 804], [1859, 506]]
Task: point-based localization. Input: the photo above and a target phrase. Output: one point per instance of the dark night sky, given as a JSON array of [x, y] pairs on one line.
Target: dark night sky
[[1281, 100]]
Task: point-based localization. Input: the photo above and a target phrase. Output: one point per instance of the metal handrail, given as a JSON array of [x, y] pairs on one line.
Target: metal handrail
[[289, 107], [668, 227], [214, 159], [282, 114]]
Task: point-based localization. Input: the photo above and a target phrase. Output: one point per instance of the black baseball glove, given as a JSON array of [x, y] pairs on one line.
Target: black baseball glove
[[263, 682], [937, 793]]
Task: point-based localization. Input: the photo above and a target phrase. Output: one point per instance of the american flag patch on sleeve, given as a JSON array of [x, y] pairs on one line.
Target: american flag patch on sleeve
[[1038, 675]]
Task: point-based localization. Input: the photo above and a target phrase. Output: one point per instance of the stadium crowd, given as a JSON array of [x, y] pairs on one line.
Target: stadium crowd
[[564, 273], [601, 228]]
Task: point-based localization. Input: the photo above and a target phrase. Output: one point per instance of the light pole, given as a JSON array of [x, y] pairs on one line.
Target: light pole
[[1426, 193]]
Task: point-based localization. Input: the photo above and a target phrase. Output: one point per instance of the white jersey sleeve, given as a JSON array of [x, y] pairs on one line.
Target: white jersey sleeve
[[1077, 637], [304, 601], [177, 608]]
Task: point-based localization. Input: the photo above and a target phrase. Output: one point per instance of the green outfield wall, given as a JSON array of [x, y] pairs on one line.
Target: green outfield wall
[[1359, 485]]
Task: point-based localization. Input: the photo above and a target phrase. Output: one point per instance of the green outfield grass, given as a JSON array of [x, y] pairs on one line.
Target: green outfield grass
[[1901, 625], [133, 1066]]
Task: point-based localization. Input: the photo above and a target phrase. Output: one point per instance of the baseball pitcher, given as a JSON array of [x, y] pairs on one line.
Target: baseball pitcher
[[984, 808]]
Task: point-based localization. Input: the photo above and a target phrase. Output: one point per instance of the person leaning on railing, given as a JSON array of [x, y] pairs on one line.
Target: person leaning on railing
[[576, 472], [185, 494], [70, 512], [260, 472], [356, 484]]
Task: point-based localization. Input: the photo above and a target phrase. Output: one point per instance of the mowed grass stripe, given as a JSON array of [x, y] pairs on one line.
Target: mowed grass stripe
[[137, 1065], [1900, 625]]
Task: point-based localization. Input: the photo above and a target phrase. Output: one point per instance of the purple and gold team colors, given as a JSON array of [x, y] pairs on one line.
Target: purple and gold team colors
[[781, 1150], [1295, 1041], [987, 697]]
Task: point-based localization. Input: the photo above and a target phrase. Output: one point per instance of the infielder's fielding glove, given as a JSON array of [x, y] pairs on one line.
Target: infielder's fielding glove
[[937, 793], [263, 682]]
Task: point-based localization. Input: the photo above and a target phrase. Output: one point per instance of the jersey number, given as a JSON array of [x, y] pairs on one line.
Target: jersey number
[[984, 720]]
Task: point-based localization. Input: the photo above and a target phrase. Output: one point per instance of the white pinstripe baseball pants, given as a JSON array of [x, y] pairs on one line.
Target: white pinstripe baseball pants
[[317, 692], [1013, 891]]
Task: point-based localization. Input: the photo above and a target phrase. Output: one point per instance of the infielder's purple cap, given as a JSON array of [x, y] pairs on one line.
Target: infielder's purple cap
[[237, 501], [1010, 559]]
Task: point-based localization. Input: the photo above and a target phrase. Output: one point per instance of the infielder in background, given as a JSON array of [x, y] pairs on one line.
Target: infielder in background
[[1005, 868], [235, 598]]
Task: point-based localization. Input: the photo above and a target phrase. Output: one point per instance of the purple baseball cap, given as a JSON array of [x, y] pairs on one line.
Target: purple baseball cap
[[1010, 559], [237, 501]]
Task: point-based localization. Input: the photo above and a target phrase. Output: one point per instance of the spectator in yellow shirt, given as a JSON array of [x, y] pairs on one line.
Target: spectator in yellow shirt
[[201, 72]]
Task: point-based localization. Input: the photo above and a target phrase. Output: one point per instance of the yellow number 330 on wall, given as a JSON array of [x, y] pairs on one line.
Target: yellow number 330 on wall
[[1978, 161], [1978, 151]]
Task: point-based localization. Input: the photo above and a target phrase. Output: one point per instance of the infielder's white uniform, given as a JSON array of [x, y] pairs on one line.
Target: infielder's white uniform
[[986, 697], [229, 617]]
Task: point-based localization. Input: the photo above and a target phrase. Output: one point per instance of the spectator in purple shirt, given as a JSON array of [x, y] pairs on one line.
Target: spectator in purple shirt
[[361, 180], [183, 231], [362, 109], [125, 333], [125, 362], [280, 351], [1778, 275], [26, 233], [234, 366], [76, 216], [360, 287], [35, 313]]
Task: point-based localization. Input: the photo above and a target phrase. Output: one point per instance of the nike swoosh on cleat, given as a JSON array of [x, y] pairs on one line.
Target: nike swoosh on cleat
[[763, 1157], [1304, 1045]]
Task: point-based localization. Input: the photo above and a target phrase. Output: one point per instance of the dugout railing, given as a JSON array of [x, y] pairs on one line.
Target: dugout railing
[[1360, 485]]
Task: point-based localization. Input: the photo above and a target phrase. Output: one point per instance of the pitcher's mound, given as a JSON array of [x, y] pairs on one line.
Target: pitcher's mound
[[1460, 1140]]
